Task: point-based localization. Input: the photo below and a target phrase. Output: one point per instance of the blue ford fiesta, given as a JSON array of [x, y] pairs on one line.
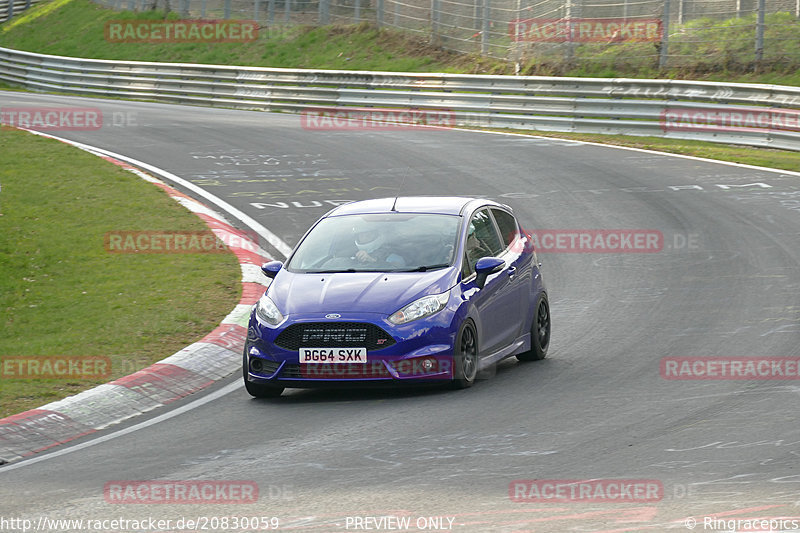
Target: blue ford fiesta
[[399, 290]]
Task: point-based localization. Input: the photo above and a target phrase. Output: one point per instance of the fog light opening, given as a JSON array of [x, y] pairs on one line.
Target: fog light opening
[[256, 365]]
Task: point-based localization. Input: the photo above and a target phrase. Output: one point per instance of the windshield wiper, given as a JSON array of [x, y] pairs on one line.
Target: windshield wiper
[[332, 271], [425, 268]]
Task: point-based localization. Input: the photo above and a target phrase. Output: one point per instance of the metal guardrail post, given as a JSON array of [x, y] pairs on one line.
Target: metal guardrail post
[[568, 16], [664, 52], [357, 14], [287, 11], [434, 21], [10, 10], [227, 9], [324, 12], [271, 12], [760, 34], [379, 13], [485, 30]]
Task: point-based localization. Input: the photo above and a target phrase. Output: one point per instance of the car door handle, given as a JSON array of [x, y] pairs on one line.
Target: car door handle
[[512, 271]]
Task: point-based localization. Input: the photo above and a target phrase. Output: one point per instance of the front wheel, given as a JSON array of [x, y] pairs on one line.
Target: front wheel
[[257, 390], [465, 356], [540, 332]]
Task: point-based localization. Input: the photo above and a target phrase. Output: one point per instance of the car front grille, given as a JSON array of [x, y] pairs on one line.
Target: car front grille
[[334, 335], [372, 370]]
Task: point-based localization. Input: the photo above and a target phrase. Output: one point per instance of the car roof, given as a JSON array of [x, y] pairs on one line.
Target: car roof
[[444, 205]]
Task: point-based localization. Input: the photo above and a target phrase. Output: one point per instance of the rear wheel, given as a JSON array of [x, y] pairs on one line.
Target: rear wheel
[[465, 356], [540, 332], [258, 390]]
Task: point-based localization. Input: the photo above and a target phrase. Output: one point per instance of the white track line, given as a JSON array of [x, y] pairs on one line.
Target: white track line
[[284, 249], [645, 150], [141, 425], [274, 240], [247, 220]]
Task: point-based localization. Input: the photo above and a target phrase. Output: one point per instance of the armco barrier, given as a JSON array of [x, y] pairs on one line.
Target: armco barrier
[[583, 105], [17, 7]]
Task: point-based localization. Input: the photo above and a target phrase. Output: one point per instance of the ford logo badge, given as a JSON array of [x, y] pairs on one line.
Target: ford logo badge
[[333, 315]]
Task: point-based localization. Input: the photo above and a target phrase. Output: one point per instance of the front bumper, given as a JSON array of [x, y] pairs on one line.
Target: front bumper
[[421, 352]]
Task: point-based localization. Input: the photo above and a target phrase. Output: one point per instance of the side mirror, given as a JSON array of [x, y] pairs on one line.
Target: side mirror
[[271, 269], [486, 266]]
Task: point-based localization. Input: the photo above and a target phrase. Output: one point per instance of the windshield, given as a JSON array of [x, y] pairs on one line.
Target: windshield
[[392, 242]]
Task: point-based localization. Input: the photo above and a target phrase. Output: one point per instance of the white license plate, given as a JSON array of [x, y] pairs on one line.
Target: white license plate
[[333, 355]]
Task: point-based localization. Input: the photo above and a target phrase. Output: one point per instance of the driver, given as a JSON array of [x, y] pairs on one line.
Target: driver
[[373, 248], [476, 248]]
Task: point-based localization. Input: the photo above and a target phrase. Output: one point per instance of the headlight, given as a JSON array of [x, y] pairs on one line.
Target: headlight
[[267, 311], [425, 306]]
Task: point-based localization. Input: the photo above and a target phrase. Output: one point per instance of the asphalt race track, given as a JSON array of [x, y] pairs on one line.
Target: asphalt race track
[[725, 284]]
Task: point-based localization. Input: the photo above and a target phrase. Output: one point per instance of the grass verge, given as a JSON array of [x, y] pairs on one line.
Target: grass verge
[[77, 28], [62, 293], [701, 49]]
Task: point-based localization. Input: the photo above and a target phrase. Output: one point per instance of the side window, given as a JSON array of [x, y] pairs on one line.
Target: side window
[[482, 238], [508, 226], [466, 268]]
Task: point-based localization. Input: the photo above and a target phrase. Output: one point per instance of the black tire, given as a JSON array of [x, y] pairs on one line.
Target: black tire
[[540, 332], [465, 356], [258, 390]]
